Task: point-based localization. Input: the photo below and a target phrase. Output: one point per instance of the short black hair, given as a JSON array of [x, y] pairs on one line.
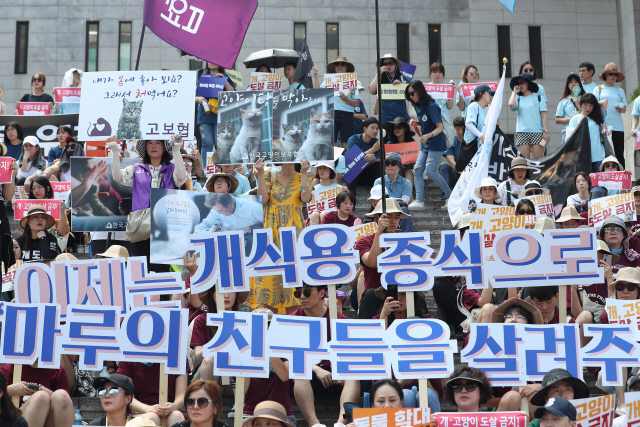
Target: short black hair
[[543, 293], [588, 65], [18, 129], [319, 287], [519, 310], [292, 63], [458, 122], [585, 176], [378, 384], [224, 199], [370, 121], [343, 195]]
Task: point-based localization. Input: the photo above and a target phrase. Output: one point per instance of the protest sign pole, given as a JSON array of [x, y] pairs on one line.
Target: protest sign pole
[[423, 383], [562, 301], [17, 377], [333, 302], [239, 402], [219, 308], [144, 27], [163, 392], [384, 204]]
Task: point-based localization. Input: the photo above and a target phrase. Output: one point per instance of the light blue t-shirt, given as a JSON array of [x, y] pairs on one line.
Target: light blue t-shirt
[[542, 93], [566, 109], [466, 100], [294, 86], [636, 107], [69, 108], [444, 108], [395, 189], [615, 96], [529, 109], [243, 184], [476, 115], [597, 149], [588, 88], [341, 168], [340, 105]]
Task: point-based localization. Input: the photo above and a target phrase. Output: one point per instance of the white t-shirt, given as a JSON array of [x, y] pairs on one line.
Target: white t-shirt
[[515, 190]]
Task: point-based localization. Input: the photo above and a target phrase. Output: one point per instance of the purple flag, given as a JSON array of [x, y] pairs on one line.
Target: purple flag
[[212, 30]]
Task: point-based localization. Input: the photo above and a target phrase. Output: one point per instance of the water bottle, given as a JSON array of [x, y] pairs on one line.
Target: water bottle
[[78, 418], [104, 373]]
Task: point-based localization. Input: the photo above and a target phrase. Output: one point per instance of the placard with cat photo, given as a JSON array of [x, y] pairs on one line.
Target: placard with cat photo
[[98, 202], [244, 126], [303, 125], [175, 214], [137, 105]]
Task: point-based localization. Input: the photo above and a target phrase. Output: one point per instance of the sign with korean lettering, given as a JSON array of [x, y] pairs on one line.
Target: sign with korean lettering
[[408, 71], [211, 166], [246, 121], [265, 81], [345, 83], [391, 91], [209, 85], [45, 128], [354, 163], [367, 229], [481, 419], [468, 89], [391, 417], [494, 218], [324, 200], [137, 105], [21, 194], [632, 402], [60, 189], [6, 173], [621, 205], [612, 180], [440, 91], [625, 312], [407, 150], [34, 109], [595, 411], [21, 207], [7, 278], [235, 76], [543, 204], [70, 95]]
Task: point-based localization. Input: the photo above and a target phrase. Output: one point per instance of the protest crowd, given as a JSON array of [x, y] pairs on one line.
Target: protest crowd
[[440, 138]]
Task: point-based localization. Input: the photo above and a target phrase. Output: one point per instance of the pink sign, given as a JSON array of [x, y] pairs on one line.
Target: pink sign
[[21, 207], [6, 174], [612, 180], [66, 95], [468, 89], [60, 189], [34, 109], [440, 91], [511, 419]]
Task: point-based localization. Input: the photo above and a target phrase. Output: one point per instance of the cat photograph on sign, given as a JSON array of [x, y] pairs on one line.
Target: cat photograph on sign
[[245, 125], [303, 125]]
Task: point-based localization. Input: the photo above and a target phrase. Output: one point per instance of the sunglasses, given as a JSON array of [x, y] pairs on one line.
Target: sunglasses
[[412, 93], [202, 402], [474, 74], [523, 82], [399, 127], [612, 74], [610, 165], [298, 293], [620, 287], [391, 163], [528, 70], [341, 64], [470, 387], [386, 64], [524, 212], [112, 392], [188, 163], [37, 79], [535, 192], [613, 230]]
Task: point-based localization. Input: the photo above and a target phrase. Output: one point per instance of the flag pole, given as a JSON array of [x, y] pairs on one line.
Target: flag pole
[[144, 27], [380, 129]]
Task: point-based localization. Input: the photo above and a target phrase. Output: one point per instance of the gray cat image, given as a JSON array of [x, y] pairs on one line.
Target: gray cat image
[[247, 147], [319, 142], [225, 141], [129, 123], [283, 150]]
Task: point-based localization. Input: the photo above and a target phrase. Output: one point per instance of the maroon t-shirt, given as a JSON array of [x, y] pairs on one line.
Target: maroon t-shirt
[[371, 275], [633, 227], [272, 388], [146, 380], [200, 335], [300, 312], [192, 309], [333, 218], [53, 379]]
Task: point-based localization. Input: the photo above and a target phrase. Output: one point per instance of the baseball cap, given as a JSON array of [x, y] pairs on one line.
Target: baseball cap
[[557, 406]]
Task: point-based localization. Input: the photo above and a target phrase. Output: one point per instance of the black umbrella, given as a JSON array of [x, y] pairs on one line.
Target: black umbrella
[[273, 58]]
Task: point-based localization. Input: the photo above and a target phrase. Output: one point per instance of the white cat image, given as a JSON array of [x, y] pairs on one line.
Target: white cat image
[[248, 144], [319, 142], [224, 142], [284, 148]]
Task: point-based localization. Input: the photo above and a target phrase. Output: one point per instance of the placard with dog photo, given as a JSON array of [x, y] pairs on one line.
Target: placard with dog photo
[[245, 130], [303, 125]]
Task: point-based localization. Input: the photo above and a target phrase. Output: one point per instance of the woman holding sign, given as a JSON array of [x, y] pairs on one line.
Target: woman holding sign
[[31, 161], [38, 80], [36, 243], [41, 189], [468, 388], [389, 72], [436, 72], [470, 74]]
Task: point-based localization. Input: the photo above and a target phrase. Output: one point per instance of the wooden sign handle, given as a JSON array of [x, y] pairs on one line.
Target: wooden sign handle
[[17, 377], [423, 384], [163, 392]]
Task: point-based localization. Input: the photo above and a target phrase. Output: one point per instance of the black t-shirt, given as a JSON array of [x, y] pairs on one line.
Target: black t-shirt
[[29, 97], [102, 421], [16, 421], [45, 248]]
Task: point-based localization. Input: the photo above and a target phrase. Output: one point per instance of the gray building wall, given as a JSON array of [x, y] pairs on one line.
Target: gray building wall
[[573, 31]]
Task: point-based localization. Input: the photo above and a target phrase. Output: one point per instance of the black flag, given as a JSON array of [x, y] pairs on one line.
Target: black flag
[[304, 70]]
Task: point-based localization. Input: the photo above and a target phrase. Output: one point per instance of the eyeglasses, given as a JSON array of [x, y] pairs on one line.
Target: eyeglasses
[[37, 79], [388, 63], [112, 392], [399, 127], [220, 181], [620, 287], [516, 317], [524, 212], [202, 402], [528, 70], [474, 74], [299, 292], [613, 230], [523, 81], [412, 93], [470, 387], [390, 163], [341, 64], [535, 192], [189, 164]]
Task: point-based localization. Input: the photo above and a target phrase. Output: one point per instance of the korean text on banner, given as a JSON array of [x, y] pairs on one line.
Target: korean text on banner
[[21, 207], [7, 278], [543, 204], [211, 167], [345, 83], [440, 91], [34, 109], [70, 95], [621, 205], [407, 150], [493, 219], [5, 170], [480, 419], [367, 229], [209, 85], [390, 91], [137, 105], [60, 189], [392, 417], [265, 81], [354, 163], [612, 180], [632, 402], [468, 89], [235, 76], [323, 200], [626, 312], [408, 71], [595, 411]]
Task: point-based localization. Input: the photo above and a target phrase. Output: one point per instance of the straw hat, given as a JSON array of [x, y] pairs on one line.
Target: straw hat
[[392, 207], [194, 160], [37, 210], [326, 164], [141, 148], [532, 185], [233, 181], [389, 56], [66, 257], [569, 213], [497, 316], [465, 221], [543, 224], [603, 247], [268, 409], [519, 163], [486, 182], [611, 67], [611, 159], [268, 312], [114, 251], [331, 66], [626, 275], [381, 293], [140, 422]]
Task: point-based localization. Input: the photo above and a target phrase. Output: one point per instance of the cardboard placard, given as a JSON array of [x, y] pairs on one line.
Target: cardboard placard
[[468, 89], [6, 173], [392, 417], [323, 200], [621, 205], [209, 86], [34, 109], [345, 83], [60, 190], [440, 91], [625, 312], [265, 81], [408, 151], [481, 419], [391, 91], [70, 95], [595, 411], [543, 204], [235, 76], [612, 180], [20, 207], [354, 163]]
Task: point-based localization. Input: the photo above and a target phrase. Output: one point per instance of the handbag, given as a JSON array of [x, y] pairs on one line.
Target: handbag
[[472, 316], [139, 223]]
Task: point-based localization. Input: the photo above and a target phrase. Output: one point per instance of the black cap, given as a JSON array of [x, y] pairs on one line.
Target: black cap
[[484, 88], [558, 406], [580, 389], [119, 380]]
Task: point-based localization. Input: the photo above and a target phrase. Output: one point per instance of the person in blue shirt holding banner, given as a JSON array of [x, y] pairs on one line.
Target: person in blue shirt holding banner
[[616, 107], [592, 110], [436, 72], [432, 141], [72, 78], [389, 71], [569, 104], [531, 127], [470, 74], [370, 146]]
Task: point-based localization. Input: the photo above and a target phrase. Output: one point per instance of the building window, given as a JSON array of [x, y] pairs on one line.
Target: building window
[[124, 47], [535, 49], [504, 48], [195, 64], [22, 47], [91, 49], [435, 44], [403, 47], [299, 33], [332, 41]]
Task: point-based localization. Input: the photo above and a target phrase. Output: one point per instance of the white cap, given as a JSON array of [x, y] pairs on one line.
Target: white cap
[[376, 192], [360, 87], [31, 140]]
